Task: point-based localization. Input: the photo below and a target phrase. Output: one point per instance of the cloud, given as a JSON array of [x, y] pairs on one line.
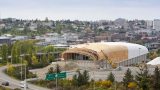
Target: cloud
[[80, 9]]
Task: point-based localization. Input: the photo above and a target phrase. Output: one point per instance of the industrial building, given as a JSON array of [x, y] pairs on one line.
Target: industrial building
[[117, 52]]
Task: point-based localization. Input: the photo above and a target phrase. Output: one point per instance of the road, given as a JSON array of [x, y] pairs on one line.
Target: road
[[16, 83]]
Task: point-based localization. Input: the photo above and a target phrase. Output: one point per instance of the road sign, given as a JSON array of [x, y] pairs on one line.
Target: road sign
[[50, 76], [61, 75]]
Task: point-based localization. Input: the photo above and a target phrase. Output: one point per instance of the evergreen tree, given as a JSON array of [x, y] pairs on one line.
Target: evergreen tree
[[142, 78], [53, 57], [13, 54], [155, 79], [30, 57], [4, 52], [46, 19], [81, 80], [111, 77], [85, 77], [17, 54], [50, 70], [127, 78], [58, 69]]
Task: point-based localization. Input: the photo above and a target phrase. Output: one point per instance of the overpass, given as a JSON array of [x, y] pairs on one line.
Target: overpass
[[38, 54]]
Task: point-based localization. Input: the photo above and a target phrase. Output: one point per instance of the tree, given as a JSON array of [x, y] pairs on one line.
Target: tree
[[81, 80], [46, 19], [155, 79], [34, 60], [24, 57], [142, 78], [4, 52], [85, 77], [30, 57], [50, 70], [111, 77], [127, 78], [57, 69], [13, 54], [53, 57], [49, 57], [17, 54], [44, 60], [3, 30]]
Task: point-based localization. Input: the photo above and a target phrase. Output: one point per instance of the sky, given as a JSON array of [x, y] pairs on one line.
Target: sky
[[90, 10]]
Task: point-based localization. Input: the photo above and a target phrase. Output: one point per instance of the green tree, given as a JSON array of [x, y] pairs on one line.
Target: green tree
[[3, 30], [155, 79], [50, 70], [111, 77], [85, 77], [49, 57], [17, 54], [46, 19], [30, 57], [127, 78], [24, 57], [44, 60], [81, 80], [53, 57], [13, 54], [142, 78], [57, 69], [4, 52]]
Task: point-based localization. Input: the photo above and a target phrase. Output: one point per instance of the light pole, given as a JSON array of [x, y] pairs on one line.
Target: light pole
[[11, 56], [25, 79], [94, 80], [7, 61], [139, 54], [115, 79], [21, 68]]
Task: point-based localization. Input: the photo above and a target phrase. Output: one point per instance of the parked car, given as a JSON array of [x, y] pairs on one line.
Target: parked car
[[5, 83]]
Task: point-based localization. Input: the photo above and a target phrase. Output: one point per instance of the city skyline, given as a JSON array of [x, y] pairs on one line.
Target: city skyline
[[90, 10]]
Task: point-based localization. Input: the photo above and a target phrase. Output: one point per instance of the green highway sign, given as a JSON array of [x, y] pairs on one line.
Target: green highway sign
[[50, 76], [61, 75]]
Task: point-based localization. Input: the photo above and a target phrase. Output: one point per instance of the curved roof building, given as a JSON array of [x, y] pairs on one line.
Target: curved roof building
[[116, 51]]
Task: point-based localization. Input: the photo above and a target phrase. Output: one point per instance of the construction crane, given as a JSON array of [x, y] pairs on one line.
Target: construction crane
[[112, 64]]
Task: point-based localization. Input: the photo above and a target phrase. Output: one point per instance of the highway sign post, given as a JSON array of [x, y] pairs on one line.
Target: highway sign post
[[50, 76], [61, 75]]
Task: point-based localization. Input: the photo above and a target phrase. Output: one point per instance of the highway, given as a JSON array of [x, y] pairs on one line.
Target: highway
[[16, 83]]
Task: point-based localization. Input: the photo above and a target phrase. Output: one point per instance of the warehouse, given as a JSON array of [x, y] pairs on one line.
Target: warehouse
[[115, 51]]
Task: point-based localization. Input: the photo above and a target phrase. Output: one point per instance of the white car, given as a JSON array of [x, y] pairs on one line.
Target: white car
[[22, 85], [22, 82]]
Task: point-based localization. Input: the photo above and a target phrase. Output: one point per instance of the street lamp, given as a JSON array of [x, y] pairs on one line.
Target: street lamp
[[139, 54], [94, 79], [115, 78], [7, 61], [25, 88], [21, 68]]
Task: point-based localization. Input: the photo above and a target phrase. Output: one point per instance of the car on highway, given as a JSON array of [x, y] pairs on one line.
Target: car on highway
[[23, 85], [5, 83]]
